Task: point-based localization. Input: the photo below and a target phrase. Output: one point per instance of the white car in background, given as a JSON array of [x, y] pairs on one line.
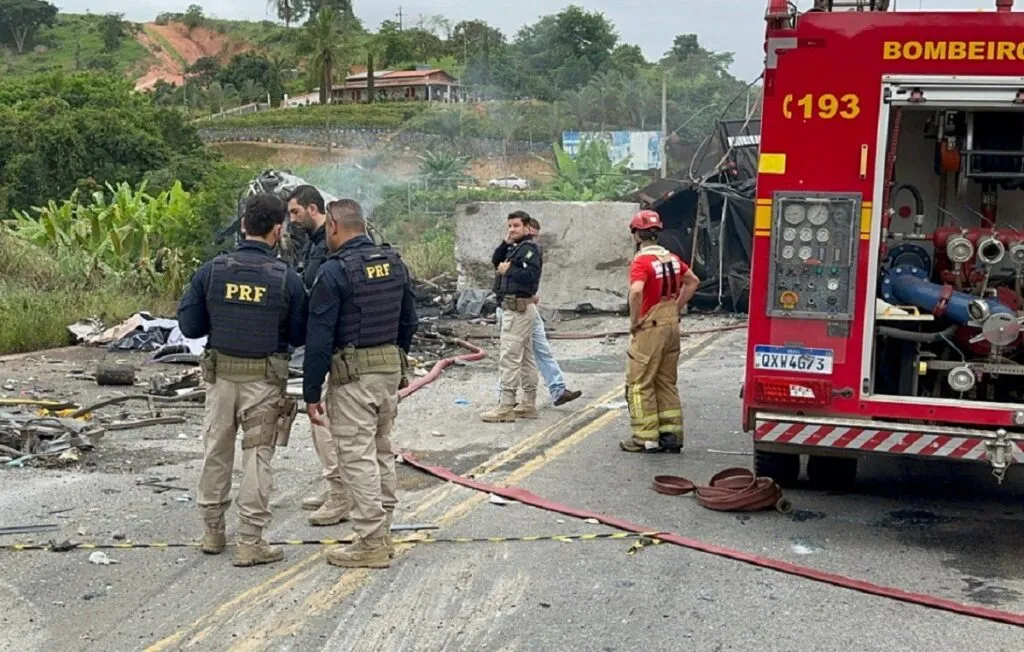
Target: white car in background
[[513, 182]]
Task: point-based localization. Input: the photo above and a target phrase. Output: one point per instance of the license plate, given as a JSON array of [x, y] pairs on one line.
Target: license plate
[[784, 358]]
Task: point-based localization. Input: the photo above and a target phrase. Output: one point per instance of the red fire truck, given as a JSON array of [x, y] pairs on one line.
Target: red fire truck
[[888, 259]]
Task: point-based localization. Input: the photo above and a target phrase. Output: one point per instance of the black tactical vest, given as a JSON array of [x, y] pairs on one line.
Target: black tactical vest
[[247, 302], [375, 278], [507, 287]]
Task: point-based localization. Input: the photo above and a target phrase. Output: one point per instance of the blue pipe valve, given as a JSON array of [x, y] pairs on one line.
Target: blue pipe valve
[[910, 285]]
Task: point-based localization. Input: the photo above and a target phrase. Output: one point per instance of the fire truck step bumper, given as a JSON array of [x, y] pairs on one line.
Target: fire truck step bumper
[[856, 436]]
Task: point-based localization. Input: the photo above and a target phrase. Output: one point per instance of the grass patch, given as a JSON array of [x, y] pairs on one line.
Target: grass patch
[[32, 320], [74, 42], [39, 298]]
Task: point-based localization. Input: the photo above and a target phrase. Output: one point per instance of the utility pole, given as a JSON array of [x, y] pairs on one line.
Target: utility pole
[[399, 14], [664, 124]]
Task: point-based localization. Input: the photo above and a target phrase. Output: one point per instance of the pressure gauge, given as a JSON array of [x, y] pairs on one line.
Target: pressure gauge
[[833, 284], [822, 235], [794, 213], [789, 234], [817, 214], [805, 253], [788, 251], [806, 234]]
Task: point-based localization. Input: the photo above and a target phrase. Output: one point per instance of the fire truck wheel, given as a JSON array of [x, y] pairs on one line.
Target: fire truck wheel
[[832, 473], [781, 467]]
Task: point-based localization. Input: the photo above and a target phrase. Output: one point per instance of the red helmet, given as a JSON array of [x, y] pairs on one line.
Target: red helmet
[[645, 220]]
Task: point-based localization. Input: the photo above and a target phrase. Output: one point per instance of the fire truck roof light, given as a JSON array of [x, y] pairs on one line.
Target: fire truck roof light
[[777, 9]]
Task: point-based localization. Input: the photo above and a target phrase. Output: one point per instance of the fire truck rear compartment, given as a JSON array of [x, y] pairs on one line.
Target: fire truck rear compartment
[[949, 302]]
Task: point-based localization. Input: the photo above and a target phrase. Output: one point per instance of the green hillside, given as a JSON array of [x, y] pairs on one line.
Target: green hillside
[[76, 42]]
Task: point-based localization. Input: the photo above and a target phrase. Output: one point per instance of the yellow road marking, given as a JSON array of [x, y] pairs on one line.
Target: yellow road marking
[[320, 601], [270, 588], [352, 581]]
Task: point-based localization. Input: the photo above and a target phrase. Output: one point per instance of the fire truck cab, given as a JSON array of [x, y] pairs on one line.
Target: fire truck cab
[[888, 240]]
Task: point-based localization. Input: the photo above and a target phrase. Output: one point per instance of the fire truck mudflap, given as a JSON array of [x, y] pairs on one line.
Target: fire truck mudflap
[[888, 241]]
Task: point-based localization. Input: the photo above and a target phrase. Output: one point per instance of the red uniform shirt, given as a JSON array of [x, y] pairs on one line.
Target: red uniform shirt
[[660, 279]]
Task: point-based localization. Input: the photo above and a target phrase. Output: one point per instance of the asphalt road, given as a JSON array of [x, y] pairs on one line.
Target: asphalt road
[[940, 529]]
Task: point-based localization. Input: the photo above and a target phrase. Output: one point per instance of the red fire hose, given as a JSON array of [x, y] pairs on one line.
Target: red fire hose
[[594, 336], [476, 354], [529, 498]]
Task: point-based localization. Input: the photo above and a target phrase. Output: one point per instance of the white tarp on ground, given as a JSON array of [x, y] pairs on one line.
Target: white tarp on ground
[[586, 245]]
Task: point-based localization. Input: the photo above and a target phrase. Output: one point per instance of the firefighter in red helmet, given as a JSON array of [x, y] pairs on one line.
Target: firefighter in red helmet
[[660, 284]]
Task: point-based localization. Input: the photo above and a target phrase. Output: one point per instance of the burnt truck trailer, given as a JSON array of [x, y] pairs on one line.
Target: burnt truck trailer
[[888, 256]]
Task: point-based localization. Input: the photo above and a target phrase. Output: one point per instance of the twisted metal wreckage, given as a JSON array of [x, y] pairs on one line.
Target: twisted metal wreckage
[[708, 212]]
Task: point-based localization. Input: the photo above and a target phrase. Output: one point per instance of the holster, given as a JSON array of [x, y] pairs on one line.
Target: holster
[[404, 380], [259, 426], [343, 366], [287, 409], [208, 366]]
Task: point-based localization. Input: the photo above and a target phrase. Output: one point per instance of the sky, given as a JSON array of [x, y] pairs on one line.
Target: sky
[[651, 24]]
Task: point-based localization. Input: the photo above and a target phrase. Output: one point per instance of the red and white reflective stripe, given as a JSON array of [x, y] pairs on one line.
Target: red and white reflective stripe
[[879, 441]]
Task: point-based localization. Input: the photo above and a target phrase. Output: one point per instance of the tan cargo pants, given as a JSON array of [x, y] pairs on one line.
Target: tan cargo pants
[[362, 414], [651, 375], [517, 368], [323, 444], [228, 405]]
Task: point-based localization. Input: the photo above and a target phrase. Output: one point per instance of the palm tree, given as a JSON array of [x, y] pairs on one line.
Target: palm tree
[[323, 43], [287, 10]]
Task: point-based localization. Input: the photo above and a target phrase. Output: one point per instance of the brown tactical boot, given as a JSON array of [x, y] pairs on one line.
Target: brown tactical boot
[[500, 414], [525, 410], [254, 555], [213, 538], [335, 510], [361, 554], [311, 503]]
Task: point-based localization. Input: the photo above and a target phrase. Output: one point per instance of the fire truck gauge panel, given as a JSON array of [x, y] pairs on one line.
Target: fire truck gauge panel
[[825, 257]]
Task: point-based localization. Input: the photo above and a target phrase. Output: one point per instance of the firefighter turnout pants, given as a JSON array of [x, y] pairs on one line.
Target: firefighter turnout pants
[[362, 413], [517, 368], [253, 407], [651, 375]]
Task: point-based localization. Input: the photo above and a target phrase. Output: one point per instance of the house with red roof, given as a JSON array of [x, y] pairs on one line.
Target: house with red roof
[[424, 84]]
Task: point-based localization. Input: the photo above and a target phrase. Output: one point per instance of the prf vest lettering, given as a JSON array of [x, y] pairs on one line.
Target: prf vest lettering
[[245, 293]]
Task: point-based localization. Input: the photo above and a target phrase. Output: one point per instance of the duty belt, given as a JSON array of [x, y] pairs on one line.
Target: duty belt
[[517, 304]]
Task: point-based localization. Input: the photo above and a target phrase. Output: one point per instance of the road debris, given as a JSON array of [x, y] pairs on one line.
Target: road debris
[[114, 374], [29, 529], [100, 558]]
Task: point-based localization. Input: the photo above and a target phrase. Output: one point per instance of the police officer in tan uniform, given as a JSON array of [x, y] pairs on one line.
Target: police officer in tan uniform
[[252, 307], [516, 282], [362, 318], [307, 210]]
